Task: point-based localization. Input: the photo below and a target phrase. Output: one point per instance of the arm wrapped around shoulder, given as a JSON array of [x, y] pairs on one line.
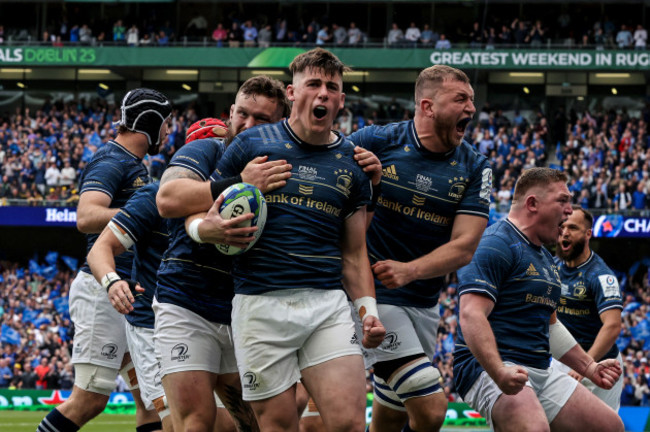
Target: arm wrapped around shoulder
[[560, 340]]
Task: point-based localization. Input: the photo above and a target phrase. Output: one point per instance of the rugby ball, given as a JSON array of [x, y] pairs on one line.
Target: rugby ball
[[239, 199]]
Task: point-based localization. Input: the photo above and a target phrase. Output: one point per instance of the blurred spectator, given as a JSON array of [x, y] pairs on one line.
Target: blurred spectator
[[536, 35], [2, 34], [250, 34], [505, 35], [639, 197], [412, 35], [198, 26], [443, 43], [132, 36], [476, 36], [162, 38], [309, 37], [623, 199], [428, 38], [281, 30], [340, 35], [219, 35], [42, 371], [74, 34], [640, 37], [85, 34], [28, 377], [395, 36], [6, 374], [235, 36], [520, 32], [624, 38], [264, 37], [323, 36], [354, 34], [119, 32]]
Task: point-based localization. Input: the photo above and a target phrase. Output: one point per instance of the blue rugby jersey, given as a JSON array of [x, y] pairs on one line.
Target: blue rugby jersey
[[301, 243], [587, 291], [140, 220], [192, 275], [522, 280], [421, 194], [118, 173]]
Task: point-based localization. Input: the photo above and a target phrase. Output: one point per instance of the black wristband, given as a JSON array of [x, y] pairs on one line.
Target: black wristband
[[218, 186], [131, 282], [376, 191]]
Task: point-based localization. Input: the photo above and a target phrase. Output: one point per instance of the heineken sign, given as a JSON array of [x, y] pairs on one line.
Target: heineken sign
[[366, 58]]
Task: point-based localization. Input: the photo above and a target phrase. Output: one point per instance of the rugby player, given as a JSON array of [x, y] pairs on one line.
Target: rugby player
[[114, 174], [433, 208], [591, 302], [509, 328]]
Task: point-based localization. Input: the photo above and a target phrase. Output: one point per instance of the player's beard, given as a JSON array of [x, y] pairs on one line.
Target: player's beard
[[229, 136], [573, 253]]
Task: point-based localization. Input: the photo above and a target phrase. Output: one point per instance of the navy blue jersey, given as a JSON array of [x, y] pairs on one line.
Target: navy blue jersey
[[421, 194], [192, 275], [118, 173], [139, 219], [524, 284], [587, 291], [301, 243]]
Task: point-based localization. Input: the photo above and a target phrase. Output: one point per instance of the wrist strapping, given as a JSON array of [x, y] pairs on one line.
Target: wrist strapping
[[218, 186], [193, 230], [110, 278], [560, 340], [366, 306]]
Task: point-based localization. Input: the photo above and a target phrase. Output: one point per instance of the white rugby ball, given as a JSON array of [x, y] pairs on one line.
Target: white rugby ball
[[239, 199]]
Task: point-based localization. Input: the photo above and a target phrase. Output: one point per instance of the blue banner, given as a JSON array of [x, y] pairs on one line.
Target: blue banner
[[613, 225], [38, 216]]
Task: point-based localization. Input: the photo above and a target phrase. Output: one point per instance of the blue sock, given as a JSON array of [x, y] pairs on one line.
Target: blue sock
[[56, 422]]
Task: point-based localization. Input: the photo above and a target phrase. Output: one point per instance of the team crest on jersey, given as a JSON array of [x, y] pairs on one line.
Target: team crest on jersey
[[307, 172], [457, 188], [109, 351], [390, 172], [288, 146], [305, 190], [343, 181], [250, 381], [423, 183], [418, 200], [179, 352], [139, 182], [407, 148], [579, 291]]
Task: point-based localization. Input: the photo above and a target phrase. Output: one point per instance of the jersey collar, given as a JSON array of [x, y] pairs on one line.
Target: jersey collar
[[521, 234], [124, 149], [306, 145], [423, 149], [591, 255]]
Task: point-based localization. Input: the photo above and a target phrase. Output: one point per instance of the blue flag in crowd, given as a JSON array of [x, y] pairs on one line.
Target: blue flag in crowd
[[49, 272], [61, 305], [9, 335], [641, 331], [51, 257], [72, 263]]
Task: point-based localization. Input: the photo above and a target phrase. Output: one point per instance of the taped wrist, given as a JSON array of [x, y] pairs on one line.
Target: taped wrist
[[560, 340], [376, 191], [193, 230], [218, 186], [131, 282], [366, 306]]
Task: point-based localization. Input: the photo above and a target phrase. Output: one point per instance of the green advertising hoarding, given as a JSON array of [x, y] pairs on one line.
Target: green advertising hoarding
[[361, 58]]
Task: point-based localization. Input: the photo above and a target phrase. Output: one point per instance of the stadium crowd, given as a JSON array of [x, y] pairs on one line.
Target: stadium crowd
[[42, 154], [239, 30]]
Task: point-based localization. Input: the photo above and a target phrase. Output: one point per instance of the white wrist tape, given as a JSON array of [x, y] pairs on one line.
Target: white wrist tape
[[108, 278], [560, 340], [366, 306], [193, 230]]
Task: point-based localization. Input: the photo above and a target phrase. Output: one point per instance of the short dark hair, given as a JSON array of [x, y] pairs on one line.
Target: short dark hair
[[318, 58], [537, 177], [434, 75], [268, 87], [589, 218]]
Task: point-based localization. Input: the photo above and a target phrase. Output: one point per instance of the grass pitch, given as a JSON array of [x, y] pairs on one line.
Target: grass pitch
[[27, 421]]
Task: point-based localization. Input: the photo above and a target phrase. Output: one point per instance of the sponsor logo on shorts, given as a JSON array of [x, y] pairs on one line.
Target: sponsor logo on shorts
[[354, 340], [77, 349], [179, 352], [157, 379], [250, 381], [109, 351], [390, 342]]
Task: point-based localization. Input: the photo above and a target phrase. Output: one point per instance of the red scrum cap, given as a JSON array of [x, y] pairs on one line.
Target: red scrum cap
[[206, 128]]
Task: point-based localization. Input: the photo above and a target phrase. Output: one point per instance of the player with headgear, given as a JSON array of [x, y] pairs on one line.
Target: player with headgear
[[115, 172]]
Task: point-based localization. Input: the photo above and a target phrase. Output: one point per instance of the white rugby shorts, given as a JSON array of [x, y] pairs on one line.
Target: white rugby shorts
[[185, 341], [100, 335], [145, 362], [280, 333]]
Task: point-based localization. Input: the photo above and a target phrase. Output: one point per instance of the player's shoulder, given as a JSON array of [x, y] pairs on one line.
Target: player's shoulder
[[374, 135], [202, 146], [471, 155], [597, 267]]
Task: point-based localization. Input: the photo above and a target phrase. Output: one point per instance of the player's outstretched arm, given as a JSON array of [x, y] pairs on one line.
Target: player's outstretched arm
[[465, 236], [474, 310], [357, 278], [93, 212], [101, 260], [210, 227]]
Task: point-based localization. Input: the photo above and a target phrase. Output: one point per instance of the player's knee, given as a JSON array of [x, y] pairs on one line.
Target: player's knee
[[95, 379], [348, 424], [429, 421]]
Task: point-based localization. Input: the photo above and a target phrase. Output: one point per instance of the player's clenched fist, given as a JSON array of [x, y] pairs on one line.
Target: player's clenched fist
[[511, 379], [373, 332]]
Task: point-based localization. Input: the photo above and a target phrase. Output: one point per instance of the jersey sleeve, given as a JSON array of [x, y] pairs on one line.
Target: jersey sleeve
[[139, 216], [199, 156], [489, 266], [233, 161], [103, 175], [476, 200], [606, 291]]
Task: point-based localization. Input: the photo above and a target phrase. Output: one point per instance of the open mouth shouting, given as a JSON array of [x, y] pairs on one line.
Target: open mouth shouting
[[461, 125], [320, 112]]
